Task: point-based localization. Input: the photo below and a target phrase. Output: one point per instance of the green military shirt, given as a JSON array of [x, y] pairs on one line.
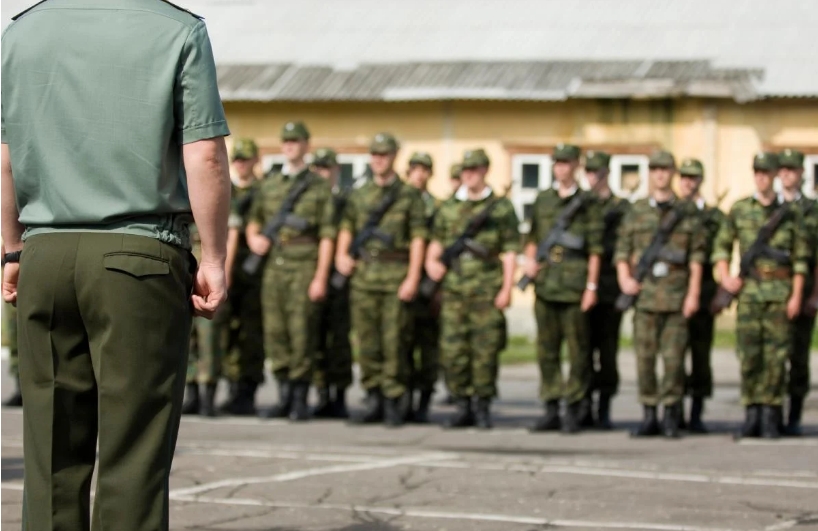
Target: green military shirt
[[662, 292], [613, 212], [712, 219], [314, 205], [95, 133], [564, 280], [404, 221], [473, 275], [809, 212], [743, 222]]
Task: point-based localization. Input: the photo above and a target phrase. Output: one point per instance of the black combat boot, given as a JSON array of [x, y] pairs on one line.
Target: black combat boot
[[300, 410], [374, 408], [649, 426], [244, 404], [421, 414], [752, 422], [192, 404], [770, 419], [325, 408], [208, 407], [670, 424], [395, 410], [339, 403], [16, 399], [696, 409], [551, 420], [463, 416], [794, 421], [483, 414], [603, 414], [285, 401], [570, 420], [586, 412]]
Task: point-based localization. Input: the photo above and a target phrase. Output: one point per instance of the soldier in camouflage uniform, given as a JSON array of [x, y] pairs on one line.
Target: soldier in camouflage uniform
[[667, 297], [699, 383], [791, 175], [475, 291], [604, 320], [296, 272], [10, 316], [384, 282], [769, 298], [333, 363], [566, 289], [423, 370]]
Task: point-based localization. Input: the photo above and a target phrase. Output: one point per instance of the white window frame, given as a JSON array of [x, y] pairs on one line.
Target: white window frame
[[267, 161], [526, 196], [810, 161], [358, 161], [615, 178]]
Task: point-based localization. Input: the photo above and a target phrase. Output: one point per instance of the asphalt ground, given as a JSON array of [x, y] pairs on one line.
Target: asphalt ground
[[252, 474]]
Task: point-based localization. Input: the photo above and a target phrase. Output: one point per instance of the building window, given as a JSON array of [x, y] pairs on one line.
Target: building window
[[529, 175], [353, 167], [629, 176], [811, 176]]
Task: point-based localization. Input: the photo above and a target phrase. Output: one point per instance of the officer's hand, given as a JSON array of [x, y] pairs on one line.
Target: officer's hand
[[794, 306], [345, 265], [589, 300], [631, 287], [733, 284], [690, 306], [209, 290], [531, 268], [11, 273], [408, 289], [503, 299], [318, 290], [436, 270], [259, 244]]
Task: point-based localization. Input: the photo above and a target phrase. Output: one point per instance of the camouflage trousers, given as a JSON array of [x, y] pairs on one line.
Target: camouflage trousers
[[424, 365], [333, 360], [699, 383], [660, 335], [763, 338], [559, 322], [290, 321], [383, 324], [208, 340], [603, 346], [10, 318], [244, 355], [802, 330], [472, 335]]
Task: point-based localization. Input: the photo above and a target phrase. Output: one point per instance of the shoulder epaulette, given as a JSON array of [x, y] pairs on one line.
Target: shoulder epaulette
[[183, 9], [21, 13]]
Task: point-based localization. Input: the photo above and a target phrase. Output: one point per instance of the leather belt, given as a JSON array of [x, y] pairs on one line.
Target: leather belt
[[376, 255], [772, 273], [298, 240], [559, 253]]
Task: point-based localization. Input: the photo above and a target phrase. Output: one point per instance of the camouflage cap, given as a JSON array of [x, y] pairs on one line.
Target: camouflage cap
[[421, 158], [692, 168], [791, 158], [661, 159], [455, 171], [294, 131], [325, 157], [383, 143], [244, 149], [596, 160], [474, 158], [765, 161], [566, 152]]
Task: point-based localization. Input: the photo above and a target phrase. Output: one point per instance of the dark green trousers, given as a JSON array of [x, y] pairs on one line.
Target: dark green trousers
[[559, 322], [333, 361], [242, 319], [603, 346], [424, 368], [699, 383], [104, 326]]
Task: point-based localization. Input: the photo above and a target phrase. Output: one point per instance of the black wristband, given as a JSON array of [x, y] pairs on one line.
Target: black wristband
[[11, 258]]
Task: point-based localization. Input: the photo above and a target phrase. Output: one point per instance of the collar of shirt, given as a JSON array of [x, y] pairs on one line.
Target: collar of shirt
[[700, 204], [388, 183], [652, 200], [779, 198], [571, 191], [287, 170], [462, 193]]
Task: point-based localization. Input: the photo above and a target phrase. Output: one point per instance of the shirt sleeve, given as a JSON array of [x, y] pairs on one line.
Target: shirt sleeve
[[349, 215], [198, 108], [595, 228], [327, 228], [725, 236], [698, 239], [417, 217], [511, 229], [624, 238], [438, 229], [256, 212], [534, 228], [802, 251]]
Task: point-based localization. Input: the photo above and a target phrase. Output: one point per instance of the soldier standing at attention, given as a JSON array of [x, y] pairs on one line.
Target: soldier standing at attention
[[333, 368], [110, 165], [699, 384], [566, 288], [476, 291], [667, 296], [791, 174], [384, 227], [604, 319], [423, 372], [296, 273], [455, 181]]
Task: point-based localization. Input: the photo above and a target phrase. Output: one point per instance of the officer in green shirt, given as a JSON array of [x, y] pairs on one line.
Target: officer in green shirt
[[699, 383], [667, 297], [296, 273], [385, 278], [476, 290], [128, 151], [333, 365], [604, 320], [791, 175], [566, 283]]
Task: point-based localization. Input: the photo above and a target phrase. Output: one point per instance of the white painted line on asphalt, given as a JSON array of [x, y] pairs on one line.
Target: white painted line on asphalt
[[779, 442], [310, 472], [234, 421], [448, 515], [12, 486], [281, 455]]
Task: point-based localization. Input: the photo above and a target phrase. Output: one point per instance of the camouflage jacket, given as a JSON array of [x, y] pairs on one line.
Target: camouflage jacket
[[614, 210], [314, 205], [662, 292], [809, 212], [431, 205], [404, 221], [743, 222], [712, 220], [473, 275], [565, 278], [241, 200]]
